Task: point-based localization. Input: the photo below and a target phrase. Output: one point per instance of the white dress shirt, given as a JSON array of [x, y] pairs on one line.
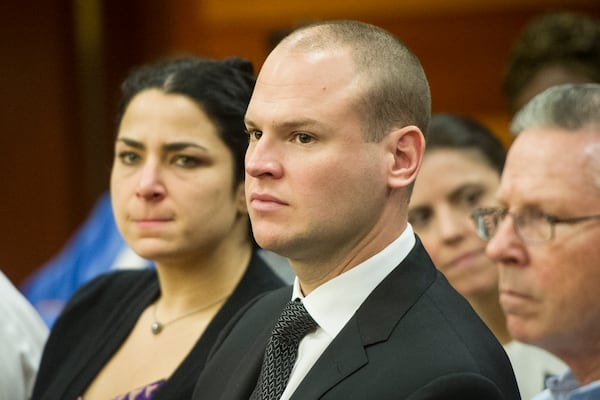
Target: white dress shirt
[[22, 338], [333, 304]]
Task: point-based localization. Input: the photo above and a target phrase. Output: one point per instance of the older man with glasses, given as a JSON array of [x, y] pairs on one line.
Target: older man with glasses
[[546, 235]]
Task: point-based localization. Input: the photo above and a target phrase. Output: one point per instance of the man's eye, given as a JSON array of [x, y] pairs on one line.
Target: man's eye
[[303, 138], [253, 135], [532, 215]]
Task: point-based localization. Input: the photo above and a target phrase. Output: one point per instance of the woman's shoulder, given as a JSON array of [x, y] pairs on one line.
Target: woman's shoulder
[[112, 287]]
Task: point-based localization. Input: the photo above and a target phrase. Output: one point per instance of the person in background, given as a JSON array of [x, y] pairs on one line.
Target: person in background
[[177, 191], [22, 338], [544, 234], [336, 126], [460, 171], [554, 48]]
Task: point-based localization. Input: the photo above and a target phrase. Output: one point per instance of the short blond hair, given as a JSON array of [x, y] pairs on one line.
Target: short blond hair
[[396, 91]]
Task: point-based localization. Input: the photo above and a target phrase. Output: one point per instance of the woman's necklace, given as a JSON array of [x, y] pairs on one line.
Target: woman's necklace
[[158, 326]]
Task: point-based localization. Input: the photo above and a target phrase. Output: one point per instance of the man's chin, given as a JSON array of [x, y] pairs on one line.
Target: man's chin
[[522, 329]]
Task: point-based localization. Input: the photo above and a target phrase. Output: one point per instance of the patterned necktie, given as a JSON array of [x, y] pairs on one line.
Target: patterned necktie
[[280, 355]]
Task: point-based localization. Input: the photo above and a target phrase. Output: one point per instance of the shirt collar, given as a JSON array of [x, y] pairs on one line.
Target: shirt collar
[[566, 385], [333, 304]]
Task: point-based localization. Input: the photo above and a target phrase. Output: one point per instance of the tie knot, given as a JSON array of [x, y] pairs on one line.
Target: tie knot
[[294, 322]]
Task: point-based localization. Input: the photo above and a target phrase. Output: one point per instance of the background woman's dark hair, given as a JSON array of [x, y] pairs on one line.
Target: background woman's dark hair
[[460, 132], [222, 88]]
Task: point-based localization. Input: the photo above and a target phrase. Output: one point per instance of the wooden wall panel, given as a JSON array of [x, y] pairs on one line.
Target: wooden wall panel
[[59, 96], [39, 141], [463, 44], [267, 12]]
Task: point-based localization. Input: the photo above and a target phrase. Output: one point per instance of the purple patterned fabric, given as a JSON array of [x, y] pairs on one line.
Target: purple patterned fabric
[[142, 393]]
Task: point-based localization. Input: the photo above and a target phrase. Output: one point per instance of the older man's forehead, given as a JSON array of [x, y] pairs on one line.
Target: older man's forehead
[[540, 163]]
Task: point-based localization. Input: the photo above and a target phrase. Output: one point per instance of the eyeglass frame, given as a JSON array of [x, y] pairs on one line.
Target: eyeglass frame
[[480, 212]]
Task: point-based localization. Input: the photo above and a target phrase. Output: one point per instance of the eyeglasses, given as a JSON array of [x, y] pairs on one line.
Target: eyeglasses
[[532, 226]]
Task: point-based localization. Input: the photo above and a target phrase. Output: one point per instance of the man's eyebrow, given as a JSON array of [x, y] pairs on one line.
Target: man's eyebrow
[[248, 122], [301, 123]]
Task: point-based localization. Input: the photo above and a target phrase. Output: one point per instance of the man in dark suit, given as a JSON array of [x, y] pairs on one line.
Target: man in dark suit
[[336, 126]]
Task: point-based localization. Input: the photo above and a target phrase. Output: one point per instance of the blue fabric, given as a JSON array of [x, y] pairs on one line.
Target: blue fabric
[[90, 252], [566, 387]]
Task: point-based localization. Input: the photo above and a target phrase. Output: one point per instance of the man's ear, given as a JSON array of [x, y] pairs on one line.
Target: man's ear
[[240, 198], [406, 147]]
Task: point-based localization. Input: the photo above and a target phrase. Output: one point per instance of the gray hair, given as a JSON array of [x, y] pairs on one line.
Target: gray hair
[[570, 107]]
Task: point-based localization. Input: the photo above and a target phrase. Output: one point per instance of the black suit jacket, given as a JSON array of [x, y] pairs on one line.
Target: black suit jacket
[[413, 338]]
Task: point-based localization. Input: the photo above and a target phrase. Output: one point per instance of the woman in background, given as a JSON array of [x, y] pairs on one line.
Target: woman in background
[[178, 197], [460, 171]]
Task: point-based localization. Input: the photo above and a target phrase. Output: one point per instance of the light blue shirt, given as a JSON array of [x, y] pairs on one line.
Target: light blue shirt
[[566, 387]]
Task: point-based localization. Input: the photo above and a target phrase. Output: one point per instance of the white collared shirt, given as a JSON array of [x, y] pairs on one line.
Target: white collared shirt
[[333, 304]]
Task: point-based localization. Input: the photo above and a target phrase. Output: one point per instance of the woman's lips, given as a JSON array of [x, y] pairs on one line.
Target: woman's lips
[[147, 223]]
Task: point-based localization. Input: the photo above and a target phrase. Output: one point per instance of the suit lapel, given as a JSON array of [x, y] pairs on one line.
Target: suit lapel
[[343, 356], [373, 323], [234, 365], [395, 295], [246, 372]]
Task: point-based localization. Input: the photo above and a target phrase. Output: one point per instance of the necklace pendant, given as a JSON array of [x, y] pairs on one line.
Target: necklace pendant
[[156, 327]]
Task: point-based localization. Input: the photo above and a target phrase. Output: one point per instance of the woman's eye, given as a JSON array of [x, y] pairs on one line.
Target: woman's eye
[[128, 157], [419, 219], [471, 198], [303, 138], [186, 161]]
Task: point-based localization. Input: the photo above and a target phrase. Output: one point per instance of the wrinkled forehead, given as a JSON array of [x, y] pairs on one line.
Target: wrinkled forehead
[[544, 160]]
